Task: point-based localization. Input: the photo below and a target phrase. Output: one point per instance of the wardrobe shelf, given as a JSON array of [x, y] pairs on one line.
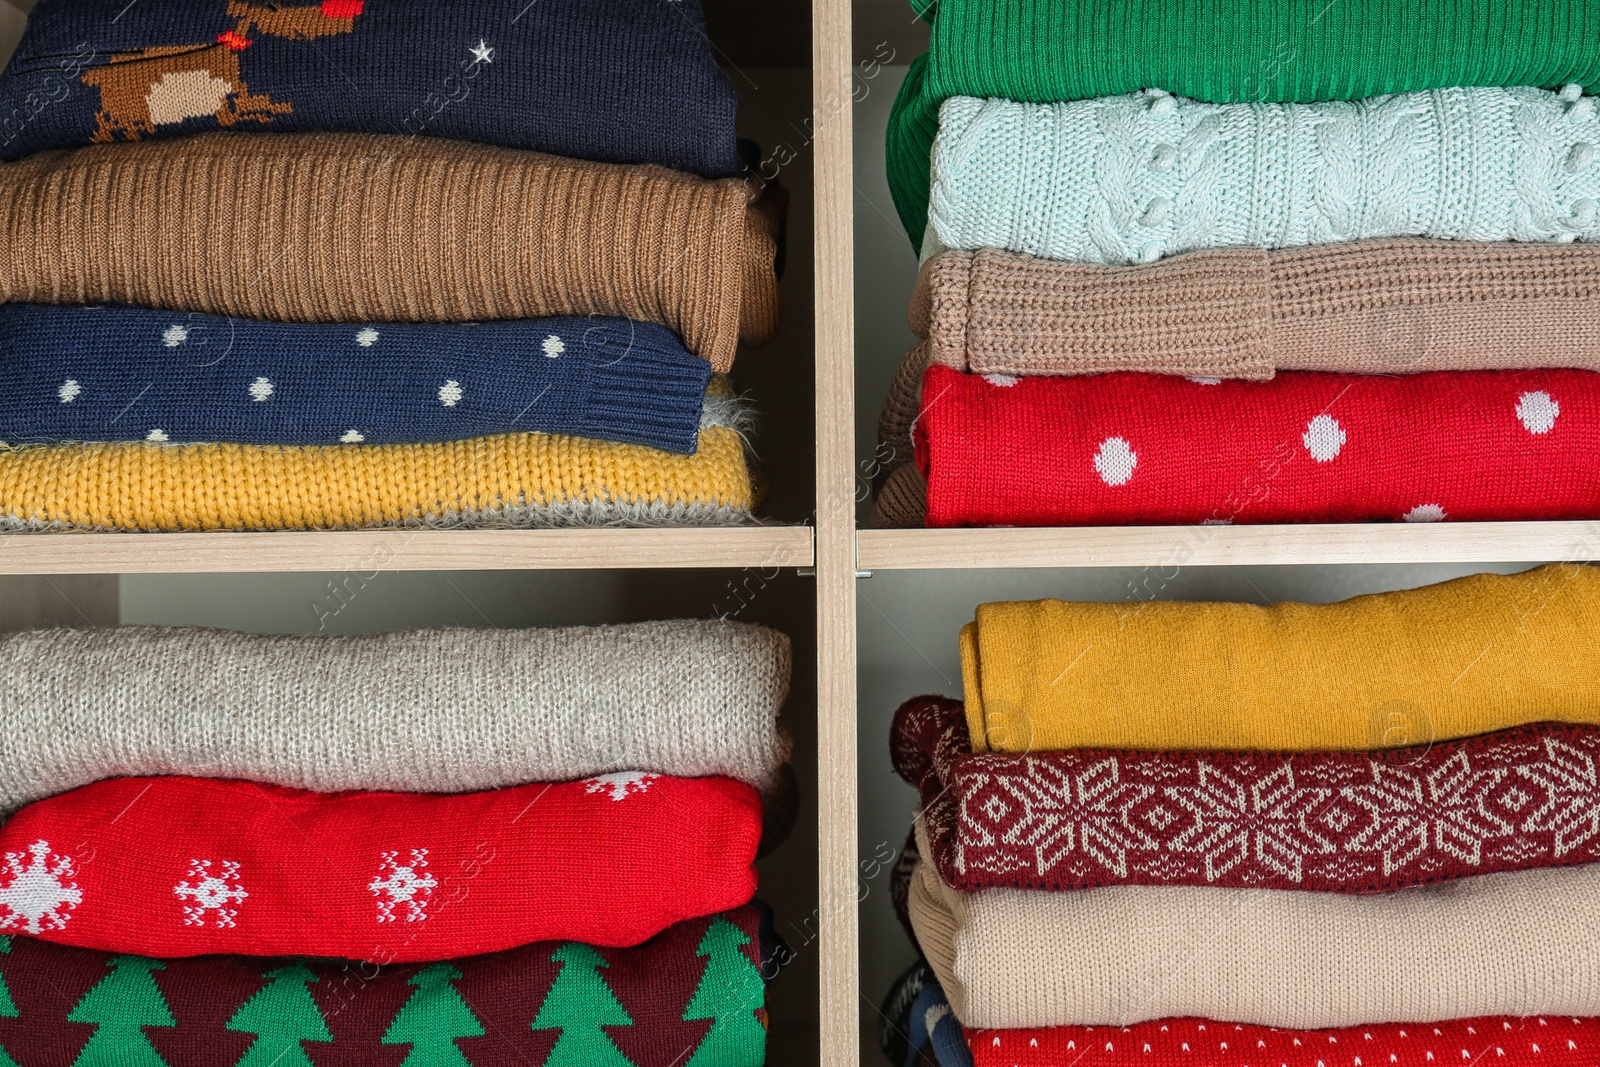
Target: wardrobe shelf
[[406, 549], [1214, 546]]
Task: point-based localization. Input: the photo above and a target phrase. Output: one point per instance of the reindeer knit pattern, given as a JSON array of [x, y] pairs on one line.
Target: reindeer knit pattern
[[518, 480], [1224, 51], [426, 711], [115, 373], [628, 81], [1135, 178], [1363, 307], [179, 866], [1122, 955], [367, 228]]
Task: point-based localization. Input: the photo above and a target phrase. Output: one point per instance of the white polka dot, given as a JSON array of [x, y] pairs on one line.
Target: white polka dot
[[69, 390], [352, 437], [1425, 513], [175, 335], [156, 435], [366, 337], [1115, 461], [1205, 381], [552, 346], [1004, 381], [1324, 437], [260, 389], [1537, 411], [450, 393]]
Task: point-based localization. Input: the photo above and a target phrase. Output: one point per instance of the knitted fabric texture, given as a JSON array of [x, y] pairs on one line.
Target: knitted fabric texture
[[1279, 50], [694, 990], [1538, 1041], [1337, 822], [895, 1018], [1367, 307], [1130, 179], [129, 374], [1126, 449], [523, 479], [628, 82], [1387, 670], [902, 502], [191, 866], [1126, 954], [427, 711], [357, 228]]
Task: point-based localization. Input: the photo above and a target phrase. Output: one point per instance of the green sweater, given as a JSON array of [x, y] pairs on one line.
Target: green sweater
[[1225, 51]]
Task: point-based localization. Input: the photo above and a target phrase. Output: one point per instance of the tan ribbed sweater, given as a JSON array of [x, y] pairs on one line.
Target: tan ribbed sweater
[[1367, 307], [1519, 943], [366, 227]]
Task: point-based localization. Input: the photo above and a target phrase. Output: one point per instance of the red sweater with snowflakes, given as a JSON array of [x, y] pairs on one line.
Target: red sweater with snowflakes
[[171, 867], [1150, 449]]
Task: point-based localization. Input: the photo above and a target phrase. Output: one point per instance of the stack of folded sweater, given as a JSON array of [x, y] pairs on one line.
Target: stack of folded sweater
[[300, 265], [529, 847], [1285, 261], [1227, 835]]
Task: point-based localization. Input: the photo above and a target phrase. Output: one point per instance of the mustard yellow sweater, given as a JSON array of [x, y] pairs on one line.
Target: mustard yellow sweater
[[1451, 660]]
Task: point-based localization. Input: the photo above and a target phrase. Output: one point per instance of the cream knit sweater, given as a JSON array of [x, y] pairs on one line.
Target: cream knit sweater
[[1520, 943], [424, 711]]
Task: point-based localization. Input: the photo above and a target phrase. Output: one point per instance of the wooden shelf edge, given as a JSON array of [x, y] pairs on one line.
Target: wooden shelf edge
[[406, 550], [1218, 546]]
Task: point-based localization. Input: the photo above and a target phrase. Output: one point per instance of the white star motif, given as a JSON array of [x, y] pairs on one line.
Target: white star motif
[[260, 389], [552, 346], [175, 335], [483, 53], [40, 895], [620, 784], [366, 337], [69, 390]]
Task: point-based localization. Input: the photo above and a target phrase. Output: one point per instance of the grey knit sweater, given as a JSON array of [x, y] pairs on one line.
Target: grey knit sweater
[[420, 711]]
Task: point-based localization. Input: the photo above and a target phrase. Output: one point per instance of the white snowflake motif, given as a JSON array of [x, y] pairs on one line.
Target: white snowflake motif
[[403, 883], [211, 892], [1261, 826], [1414, 814], [620, 785], [40, 895], [1569, 777]]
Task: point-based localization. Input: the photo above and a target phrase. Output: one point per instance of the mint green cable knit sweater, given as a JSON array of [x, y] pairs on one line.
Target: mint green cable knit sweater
[[1226, 51], [1136, 178]]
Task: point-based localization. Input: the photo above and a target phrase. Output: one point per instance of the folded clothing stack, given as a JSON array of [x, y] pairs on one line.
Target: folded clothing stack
[[505, 306], [1279, 193], [513, 793], [1389, 836]]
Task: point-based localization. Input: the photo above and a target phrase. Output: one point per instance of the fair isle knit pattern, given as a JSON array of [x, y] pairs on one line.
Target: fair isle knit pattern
[[510, 480], [424, 711], [113, 373], [1520, 943], [1132, 179], [1339, 822]]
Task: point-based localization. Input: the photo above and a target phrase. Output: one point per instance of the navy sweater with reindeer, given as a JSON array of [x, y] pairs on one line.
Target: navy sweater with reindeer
[[620, 81]]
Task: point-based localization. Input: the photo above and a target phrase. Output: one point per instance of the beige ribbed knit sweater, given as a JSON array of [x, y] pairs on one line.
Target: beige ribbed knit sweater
[[365, 227], [1366, 307], [438, 711], [1519, 943]]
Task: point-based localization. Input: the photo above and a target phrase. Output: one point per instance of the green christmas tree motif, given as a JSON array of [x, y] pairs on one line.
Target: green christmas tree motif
[[579, 1005], [432, 1019], [731, 994], [281, 1014], [121, 1004], [8, 1007]]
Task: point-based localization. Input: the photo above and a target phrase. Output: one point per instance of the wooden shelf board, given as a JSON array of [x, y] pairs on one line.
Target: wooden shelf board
[[1214, 546], [405, 549]]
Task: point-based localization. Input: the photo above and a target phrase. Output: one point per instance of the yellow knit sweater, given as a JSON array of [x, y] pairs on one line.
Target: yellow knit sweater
[[1451, 660]]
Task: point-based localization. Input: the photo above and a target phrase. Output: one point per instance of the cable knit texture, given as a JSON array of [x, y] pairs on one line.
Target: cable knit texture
[[426, 711], [355, 228], [1336, 822], [1520, 943], [116, 373], [519, 479], [1225, 51], [1155, 449], [1450, 660], [1131, 179], [1364, 307]]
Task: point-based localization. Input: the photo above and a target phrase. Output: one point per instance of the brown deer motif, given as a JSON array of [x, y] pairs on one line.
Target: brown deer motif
[[167, 84]]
